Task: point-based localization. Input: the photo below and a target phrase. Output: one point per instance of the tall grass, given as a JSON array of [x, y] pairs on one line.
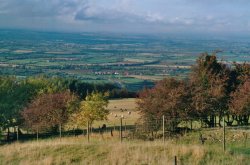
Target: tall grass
[[76, 150]]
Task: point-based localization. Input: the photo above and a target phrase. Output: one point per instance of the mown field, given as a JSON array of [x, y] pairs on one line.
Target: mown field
[[125, 108]]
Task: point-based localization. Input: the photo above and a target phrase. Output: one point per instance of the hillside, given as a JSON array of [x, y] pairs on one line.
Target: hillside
[[76, 150]]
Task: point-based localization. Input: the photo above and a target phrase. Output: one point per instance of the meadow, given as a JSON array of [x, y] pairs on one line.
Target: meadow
[[106, 150]]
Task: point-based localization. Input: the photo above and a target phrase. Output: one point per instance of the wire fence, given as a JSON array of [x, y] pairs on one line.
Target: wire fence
[[161, 128]]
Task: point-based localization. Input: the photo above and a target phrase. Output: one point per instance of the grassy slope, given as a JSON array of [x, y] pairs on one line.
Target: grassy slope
[[107, 150], [110, 151]]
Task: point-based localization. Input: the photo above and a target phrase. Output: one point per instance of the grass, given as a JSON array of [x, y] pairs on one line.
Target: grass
[[146, 77], [118, 108], [104, 150], [129, 104]]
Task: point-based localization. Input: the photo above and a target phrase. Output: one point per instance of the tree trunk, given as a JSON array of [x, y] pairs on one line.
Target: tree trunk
[[37, 135], [239, 120], [245, 119], [220, 119], [60, 131], [228, 121], [215, 120], [211, 123], [8, 134]]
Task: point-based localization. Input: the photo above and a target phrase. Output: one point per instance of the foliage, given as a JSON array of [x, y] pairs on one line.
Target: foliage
[[14, 95], [43, 84], [242, 72], [209, 83], [169, 97], [49, 110], [83, 88], [94, 107], [240, 103], [212, 90]]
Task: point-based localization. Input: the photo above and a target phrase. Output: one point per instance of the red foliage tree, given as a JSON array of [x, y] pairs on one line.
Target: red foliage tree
[[170, 97], [209, 83], [49, 110], [240, 103]]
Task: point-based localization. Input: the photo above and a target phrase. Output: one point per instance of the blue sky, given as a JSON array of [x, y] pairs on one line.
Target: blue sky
[[144, 16]]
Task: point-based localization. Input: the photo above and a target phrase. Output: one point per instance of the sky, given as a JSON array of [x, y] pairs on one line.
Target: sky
[[137, 16]]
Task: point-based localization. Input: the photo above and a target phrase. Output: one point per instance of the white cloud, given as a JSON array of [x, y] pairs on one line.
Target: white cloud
[[117, 13], [173, 15], [39, 8]]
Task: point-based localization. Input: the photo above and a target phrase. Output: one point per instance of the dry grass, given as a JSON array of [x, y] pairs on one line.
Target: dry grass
[[76, 150], [129, 104], [118, 108], [104, 149]]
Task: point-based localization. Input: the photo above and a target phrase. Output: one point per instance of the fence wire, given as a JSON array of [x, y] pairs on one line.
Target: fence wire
[[155, 128]]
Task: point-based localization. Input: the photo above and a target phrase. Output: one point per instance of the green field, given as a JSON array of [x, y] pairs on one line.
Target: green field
[[139, 61]]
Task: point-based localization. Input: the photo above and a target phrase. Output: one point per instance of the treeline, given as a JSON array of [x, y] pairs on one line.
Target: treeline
[[17, 94], [212, 91], [51, 112]]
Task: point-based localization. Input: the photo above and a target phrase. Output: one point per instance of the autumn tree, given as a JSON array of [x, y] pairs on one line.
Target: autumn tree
[[242, 72], [240, 103], [209, 83], [93, 108], [49, 110], [170, 97], [205, 96]]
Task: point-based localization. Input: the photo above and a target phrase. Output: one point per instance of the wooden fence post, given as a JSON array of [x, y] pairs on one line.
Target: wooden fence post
[[88, 130], [37, 134], [17, 134], [60, 131], [175, 160], [163, 128], [224, 135], [191, 124], [125, 126], [121, 130]]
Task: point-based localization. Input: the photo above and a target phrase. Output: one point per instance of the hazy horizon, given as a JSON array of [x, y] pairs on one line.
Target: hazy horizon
[[159, 35], [176, 17]]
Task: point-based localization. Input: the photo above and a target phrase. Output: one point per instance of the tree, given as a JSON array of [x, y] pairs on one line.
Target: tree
[[240, 103], [170, 97], [49, 110], [94, 107], [83, 88], [43, 84], [209, 83], [242, 72], [14, 95]]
